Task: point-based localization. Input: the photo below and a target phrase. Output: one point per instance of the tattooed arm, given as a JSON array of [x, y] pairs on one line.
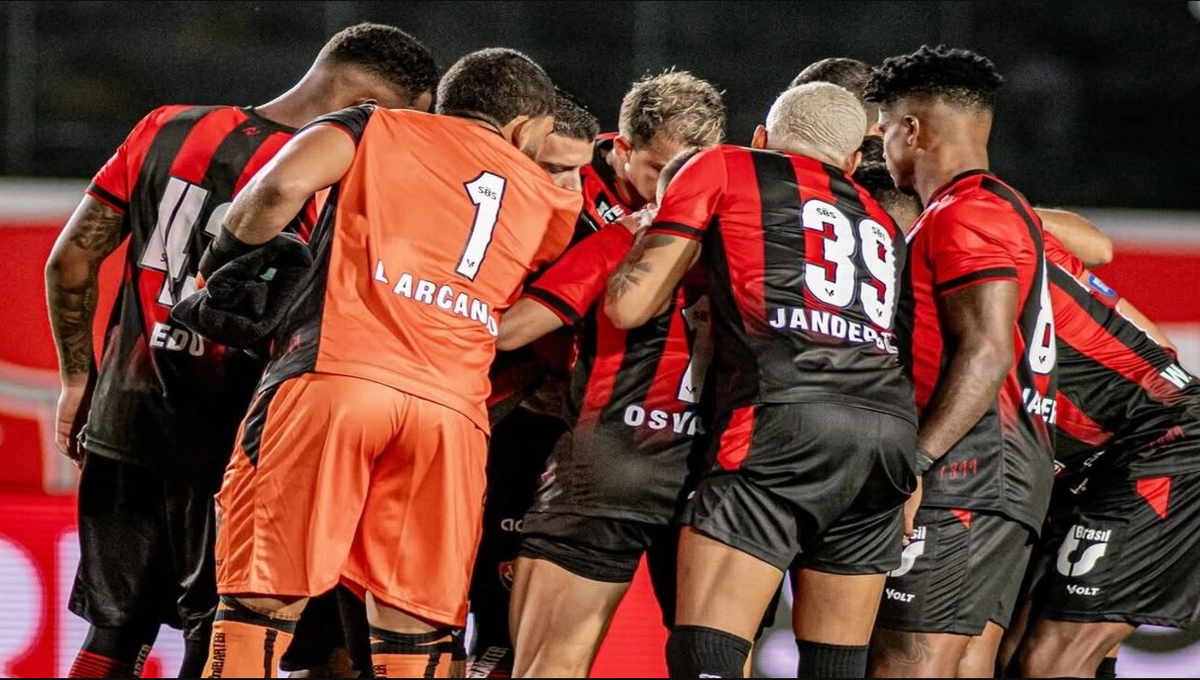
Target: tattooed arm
[[91, 235], [642, 285]]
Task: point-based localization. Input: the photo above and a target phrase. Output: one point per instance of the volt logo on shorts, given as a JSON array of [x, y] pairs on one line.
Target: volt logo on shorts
[[1075, 562], [908, 558], [897, 596], [1083, 590]]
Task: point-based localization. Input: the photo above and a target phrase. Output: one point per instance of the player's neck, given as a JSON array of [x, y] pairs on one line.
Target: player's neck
[[313, 96], [944, 164]]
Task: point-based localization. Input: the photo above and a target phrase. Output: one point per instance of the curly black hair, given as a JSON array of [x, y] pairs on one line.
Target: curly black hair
[[959, 77], [872, 174], [572, 119], [851, 74], [497, 83], [387, 52]]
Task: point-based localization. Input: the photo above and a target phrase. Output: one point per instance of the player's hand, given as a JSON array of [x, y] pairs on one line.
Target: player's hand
[[910, 511], [69, 417], [639, 220]]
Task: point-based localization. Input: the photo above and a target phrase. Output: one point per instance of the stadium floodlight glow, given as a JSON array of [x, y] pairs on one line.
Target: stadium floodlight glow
[[1194, 8]]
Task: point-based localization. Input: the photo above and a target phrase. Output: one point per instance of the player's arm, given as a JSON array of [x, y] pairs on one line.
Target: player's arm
[[72, 288], [315, 159], [568, 289], [642, 286], [525, 322], [978, 322], [1079, 235]]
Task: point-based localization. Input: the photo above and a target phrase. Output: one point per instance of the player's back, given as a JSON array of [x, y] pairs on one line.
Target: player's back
[[1117, 387], [804, 271], [974, 230], [162, 389], [423, 243]]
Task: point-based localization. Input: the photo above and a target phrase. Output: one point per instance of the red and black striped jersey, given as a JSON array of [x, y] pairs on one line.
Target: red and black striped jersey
[[804, 276], [634, 394], [1118, 389], [165, 394], [516, 374], [977, 229], [602, 203]]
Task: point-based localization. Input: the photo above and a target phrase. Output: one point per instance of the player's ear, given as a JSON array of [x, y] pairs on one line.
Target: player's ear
[[759, 140], [852, 162], [912, 130], [623, 147]]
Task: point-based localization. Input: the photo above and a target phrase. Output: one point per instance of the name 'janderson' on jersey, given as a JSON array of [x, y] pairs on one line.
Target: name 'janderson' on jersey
[[804, 272]]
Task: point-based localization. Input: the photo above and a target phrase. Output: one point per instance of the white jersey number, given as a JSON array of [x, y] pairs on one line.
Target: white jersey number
[[487, 193], [833, 284]]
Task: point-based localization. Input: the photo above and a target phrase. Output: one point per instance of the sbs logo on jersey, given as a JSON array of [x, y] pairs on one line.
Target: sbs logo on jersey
[[1075, 562]]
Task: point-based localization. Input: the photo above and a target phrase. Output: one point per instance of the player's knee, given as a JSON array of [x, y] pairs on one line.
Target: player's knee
[[699, 652]]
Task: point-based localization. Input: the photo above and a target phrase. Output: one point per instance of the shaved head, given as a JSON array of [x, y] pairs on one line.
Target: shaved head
[[820, 120]]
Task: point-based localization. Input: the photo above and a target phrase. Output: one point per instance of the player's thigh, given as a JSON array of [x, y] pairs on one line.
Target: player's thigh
[[559, 618], [721, 586], [123, 577], [426, 495], [1067, 648], [979, 660], [836, 609], [299, 474]]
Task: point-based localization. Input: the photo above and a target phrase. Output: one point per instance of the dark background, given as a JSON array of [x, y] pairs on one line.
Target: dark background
[[1101, 106]]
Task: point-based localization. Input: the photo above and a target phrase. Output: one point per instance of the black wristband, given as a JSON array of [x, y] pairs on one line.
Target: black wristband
[[224, 247], [922, 461]]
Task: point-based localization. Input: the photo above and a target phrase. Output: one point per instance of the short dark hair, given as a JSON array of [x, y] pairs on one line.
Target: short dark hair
[[572, 120], [386, 52], [872, 174], [497, 83], [851, 74], [959, 77]]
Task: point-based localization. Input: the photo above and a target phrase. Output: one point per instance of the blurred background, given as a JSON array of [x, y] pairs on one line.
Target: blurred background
[[1100, 114]]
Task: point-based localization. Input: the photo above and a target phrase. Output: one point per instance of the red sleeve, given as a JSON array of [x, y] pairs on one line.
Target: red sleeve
[[1057, 253], [113, 183], [571, 286], [692, 196], [973, 241]]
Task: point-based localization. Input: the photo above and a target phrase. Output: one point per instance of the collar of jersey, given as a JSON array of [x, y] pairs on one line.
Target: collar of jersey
[[955, 180]]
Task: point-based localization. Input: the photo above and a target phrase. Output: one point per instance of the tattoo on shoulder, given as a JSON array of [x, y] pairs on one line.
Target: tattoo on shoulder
[[98, 229]]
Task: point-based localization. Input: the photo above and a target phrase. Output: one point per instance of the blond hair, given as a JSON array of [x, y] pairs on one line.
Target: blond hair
[[676, 104], [820, 120]]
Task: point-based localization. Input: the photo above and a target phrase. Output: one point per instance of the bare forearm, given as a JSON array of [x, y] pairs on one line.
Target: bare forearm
[[968, 386], [72, 286], [642, 285], [1079, 235], [262, 211]]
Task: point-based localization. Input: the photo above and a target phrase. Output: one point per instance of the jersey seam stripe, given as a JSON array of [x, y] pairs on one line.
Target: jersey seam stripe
[[676, 229], [558, 306], [107, 197], [980, 276]]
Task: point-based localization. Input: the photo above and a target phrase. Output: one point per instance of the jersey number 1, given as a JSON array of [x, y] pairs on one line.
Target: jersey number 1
[[487, 193]]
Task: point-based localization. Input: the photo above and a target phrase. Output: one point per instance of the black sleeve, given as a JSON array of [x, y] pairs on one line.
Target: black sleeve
[[353, 120]]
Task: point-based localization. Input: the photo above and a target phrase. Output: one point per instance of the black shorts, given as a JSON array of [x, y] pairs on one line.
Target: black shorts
[[961, 570], [606, 549], [1128, 552], [825, 483], [519, 447], [146, 547], [336, 619]]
